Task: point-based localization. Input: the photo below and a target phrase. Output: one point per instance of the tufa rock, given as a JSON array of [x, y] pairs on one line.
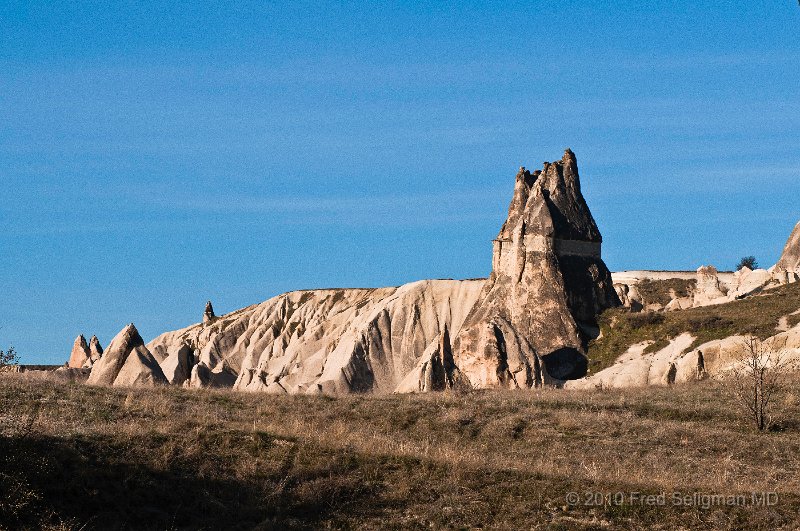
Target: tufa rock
[[708, 290], [80, 357], [748, 282], [435, 371], [332, 341], [790, 258], [127, 362], [178, 363], [539, 307], [95, 350], [200, 377]]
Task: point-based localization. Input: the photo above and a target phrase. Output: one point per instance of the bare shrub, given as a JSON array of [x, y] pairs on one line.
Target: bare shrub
[[8, 358], [759, 379]]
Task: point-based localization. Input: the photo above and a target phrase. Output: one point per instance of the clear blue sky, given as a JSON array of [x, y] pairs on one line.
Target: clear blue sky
[[156, 156]]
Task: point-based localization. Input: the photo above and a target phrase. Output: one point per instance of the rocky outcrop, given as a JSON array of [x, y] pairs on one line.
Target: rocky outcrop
[[95, 350], [679, 362], [178, 363], [638, 368], [81, 356], [127, 362], [331, 341], [749, 282], [208, 314], [711, 287], [548, 284], [709, 290], [790, 258], [629, 296]]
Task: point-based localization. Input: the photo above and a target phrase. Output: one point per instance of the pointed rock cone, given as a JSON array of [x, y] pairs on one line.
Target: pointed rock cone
[[95, 350], [80, 355], [127, 362], [547, 286]]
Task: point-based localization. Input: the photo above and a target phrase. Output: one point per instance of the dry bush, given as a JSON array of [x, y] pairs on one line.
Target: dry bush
[[758, 380], [8, 358]]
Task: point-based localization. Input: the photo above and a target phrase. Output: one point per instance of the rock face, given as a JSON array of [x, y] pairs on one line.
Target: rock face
[[790, 259], [178, 363], [95, 350], [435, 370], [331, 341], [635, 368], [748, 282], [548, 284], [80, 357], [127, 362], [709, 290]]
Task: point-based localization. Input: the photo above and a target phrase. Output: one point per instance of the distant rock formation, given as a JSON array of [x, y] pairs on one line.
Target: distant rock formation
[[331, 341], [548, 284], [208, 314], [680, 362], [95, 350], [789, 261], [81, 356], [127, 362], [708, 289], [528, 324], [711, 286], [749, 282]]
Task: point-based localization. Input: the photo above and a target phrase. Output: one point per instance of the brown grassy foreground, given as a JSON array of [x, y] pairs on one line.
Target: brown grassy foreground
[[73, 456]]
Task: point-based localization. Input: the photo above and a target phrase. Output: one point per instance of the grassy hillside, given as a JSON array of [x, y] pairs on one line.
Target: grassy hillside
[[659, 291], [758, 315], [77, 457]]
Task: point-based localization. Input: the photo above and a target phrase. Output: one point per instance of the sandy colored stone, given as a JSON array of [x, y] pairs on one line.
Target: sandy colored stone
[[709, 289], [332, 341], [548, 284], [95, 349], [790, 258], [177, 364], [80, 356], [127, 362]]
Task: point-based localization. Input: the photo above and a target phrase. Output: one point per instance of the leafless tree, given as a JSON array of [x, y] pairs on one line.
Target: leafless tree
[[8, 358], [758, 379]]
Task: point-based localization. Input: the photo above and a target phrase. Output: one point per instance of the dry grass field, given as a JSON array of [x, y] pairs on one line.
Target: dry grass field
[[78, 457]]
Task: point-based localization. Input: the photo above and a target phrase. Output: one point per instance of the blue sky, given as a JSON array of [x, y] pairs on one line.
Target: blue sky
[[154, 156]]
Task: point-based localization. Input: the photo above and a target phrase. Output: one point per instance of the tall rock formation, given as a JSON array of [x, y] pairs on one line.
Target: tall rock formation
[[526, 325], [95, 350], [790, 259], [127, 362], [208, 314], [548, 283], [80, 357]]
